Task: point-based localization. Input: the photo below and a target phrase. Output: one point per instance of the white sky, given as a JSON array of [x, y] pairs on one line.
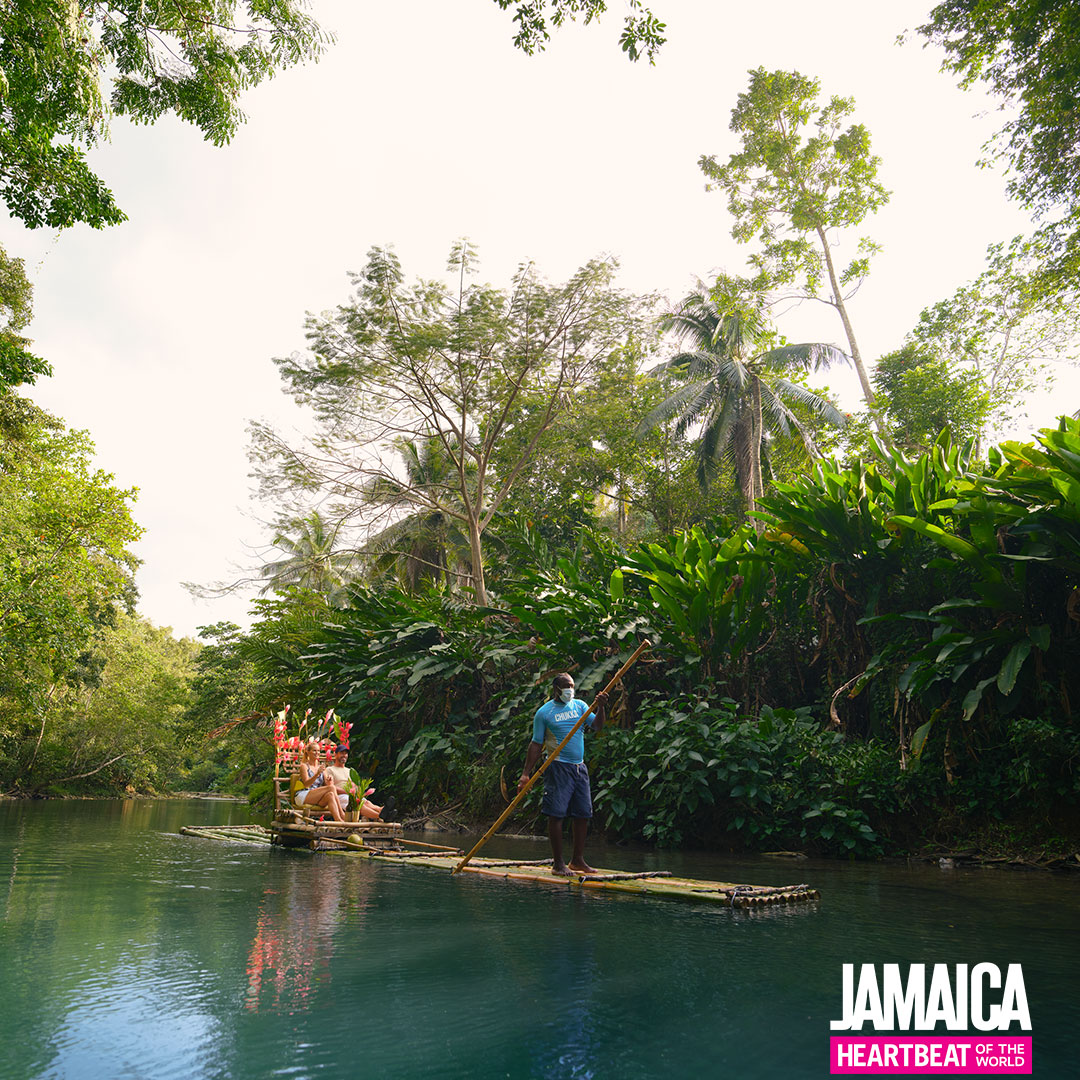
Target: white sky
[[423, 124]]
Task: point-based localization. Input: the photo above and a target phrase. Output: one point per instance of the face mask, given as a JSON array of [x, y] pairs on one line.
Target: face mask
[[567, 694]]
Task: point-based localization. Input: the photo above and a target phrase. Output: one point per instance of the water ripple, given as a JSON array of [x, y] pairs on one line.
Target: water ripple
[[132, 952]]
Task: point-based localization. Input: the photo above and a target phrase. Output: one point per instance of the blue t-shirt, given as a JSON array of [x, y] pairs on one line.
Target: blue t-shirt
[[558, 717]]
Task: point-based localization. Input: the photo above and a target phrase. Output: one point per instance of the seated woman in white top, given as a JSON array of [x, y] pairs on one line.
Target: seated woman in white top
[[319, 789]]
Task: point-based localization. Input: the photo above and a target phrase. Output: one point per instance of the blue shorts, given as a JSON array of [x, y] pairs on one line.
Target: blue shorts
[[566, 791]]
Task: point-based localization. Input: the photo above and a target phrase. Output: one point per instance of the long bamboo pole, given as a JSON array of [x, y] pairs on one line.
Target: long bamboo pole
[[552, 756]]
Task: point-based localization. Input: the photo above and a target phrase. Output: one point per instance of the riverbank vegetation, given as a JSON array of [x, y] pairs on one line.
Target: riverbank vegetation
[[864, 624], [883, 657]]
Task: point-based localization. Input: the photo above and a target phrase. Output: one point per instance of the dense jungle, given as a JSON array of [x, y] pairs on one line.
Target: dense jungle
[[865, 620]]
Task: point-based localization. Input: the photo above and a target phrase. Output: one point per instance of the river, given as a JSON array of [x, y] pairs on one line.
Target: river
[[130, 951]]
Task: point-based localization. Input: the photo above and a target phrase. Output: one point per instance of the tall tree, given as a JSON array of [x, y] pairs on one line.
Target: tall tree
[[463, 364], [66, 66], [923, 393], [1006, 327], [1028, 52], [736, 386], [66, 570], [803, 174]]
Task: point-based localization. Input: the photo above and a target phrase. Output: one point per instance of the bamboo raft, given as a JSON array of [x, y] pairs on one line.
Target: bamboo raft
[[383, 843]]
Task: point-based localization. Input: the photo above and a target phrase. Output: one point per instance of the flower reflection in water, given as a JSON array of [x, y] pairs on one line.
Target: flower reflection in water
[[295, 932]]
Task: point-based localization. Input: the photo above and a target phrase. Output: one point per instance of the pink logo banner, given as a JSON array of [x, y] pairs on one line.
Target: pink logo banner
[[882, 1055]]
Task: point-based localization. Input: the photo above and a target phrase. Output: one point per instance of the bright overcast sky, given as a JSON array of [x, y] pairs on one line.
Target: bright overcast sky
[[423, 124]]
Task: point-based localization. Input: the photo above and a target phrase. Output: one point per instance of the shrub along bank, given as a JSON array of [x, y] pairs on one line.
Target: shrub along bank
[[885, 658]]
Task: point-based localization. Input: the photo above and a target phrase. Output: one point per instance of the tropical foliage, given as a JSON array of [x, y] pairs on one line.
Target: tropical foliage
[[922, 393], [18, 365], [65, 571], [698, 771], [642, 33], [892, 654], [1001, 333], [421, 545], [1027, 53]]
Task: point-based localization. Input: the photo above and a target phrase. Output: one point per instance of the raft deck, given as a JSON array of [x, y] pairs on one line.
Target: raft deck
[[658, 883]]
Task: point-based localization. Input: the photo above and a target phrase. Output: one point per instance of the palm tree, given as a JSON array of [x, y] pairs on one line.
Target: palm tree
[[736, 389], [311, 561], [426, 546]]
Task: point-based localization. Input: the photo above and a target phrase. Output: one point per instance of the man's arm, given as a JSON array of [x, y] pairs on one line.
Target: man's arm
[[531, 758]]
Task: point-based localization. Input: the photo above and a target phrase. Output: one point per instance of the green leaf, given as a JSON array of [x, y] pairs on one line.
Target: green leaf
[[918, 740], [1010, 669], [974, 696], [615, 586], [947, 540]]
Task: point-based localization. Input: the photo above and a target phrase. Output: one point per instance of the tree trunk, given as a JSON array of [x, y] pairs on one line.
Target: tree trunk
[[759, 431], [41, 733], [838, 303], [745, 447], [479, 586]]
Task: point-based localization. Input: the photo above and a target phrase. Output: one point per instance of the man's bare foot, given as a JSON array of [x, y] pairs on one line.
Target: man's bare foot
[[582, 868], [562, 870]]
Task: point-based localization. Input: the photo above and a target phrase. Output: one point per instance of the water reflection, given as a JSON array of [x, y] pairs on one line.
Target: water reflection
[[566, 1042], [300, 917]]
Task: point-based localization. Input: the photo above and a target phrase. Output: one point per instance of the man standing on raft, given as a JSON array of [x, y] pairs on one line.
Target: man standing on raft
[[566, 781]]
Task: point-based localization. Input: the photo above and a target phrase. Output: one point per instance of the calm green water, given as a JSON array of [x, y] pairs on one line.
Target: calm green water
[[132, 952]]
